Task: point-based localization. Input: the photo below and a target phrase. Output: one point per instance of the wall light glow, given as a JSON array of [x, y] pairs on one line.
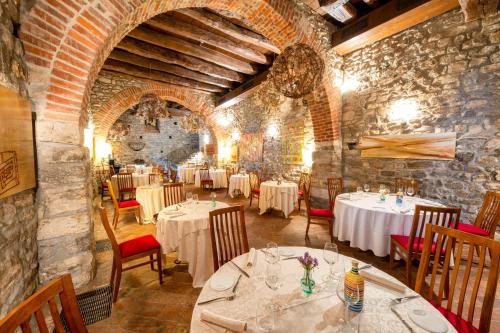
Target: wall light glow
[[88, 140], [225, 120], [206, 138], [403, 110], [102, 149], [307, 152], [349, 84], [272, 131], [235, 136]]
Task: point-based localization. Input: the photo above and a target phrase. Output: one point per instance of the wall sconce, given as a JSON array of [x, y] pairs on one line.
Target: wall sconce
[[403, 110], [348, 84], [225, 120], [272, 131], [235, 136], [102, 149]]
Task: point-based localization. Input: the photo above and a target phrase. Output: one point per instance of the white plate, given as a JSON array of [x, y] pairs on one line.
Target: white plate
[[428, 320], [222, 280], [286, 251]]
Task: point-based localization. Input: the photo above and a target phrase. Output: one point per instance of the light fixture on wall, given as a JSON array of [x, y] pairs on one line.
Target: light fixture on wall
[[272, 131], [225, 120], [88, 138], [403, 110], [235, 135], [102, 149], [307, 152]]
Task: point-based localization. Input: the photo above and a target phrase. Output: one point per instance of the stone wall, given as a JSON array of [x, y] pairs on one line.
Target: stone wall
[[170, 143], [18, 222], [451, 69]]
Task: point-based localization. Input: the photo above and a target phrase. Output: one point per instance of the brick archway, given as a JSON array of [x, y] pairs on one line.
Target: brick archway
[[66, 43], [106, 116]]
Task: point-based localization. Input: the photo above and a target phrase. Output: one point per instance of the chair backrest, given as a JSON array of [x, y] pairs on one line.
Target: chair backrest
[[112, 194], [173, 193], [125, 181], [111, 171], [62, 288], [404, 183], [307, 197], [191, 165], [109, 232], [228, 234], [443, 216], [173, 174], [204, 174], [229, 173], [489, 214], [254, 180], [154, 178], [335, 187], [466, 275], [305, 180]]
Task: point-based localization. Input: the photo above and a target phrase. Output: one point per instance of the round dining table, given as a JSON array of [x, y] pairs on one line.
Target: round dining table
[[217, 175], [138, 179], [186, 174], [367, 223], [184, 228], [241, 183], [151, 198], [321, 311], [280, 196]]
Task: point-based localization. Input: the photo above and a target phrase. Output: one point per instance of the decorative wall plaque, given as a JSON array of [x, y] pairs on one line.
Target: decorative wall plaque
[[293, 142], [136, 145]]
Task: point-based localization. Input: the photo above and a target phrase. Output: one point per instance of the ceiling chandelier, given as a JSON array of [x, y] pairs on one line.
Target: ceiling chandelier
[[191, 123], [152, 107], [297, 71]]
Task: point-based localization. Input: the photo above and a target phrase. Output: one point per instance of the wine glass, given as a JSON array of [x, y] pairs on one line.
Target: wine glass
[[189, 197], [382, 188], [195, 198], [410, 191], [272, 253], [366, 188], [273, 276], [349, 298], [331, 256]]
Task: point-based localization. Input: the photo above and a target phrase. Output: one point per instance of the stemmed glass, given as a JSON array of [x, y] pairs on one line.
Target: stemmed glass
[[272, 253], [189, 197], [349, 299], [267, 310], [410, 191], [195, 198], [331, 256], [366, 188]]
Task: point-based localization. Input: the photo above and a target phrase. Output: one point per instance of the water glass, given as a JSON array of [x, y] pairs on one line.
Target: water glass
[[189, 197], [331, 256], [195, 198], [410, 191], [273, 276], [272, 253], [366, 188], [266, 315]]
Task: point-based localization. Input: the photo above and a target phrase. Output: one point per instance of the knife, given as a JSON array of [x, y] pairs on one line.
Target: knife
[[236, 284], [402, 320], [240, 269]]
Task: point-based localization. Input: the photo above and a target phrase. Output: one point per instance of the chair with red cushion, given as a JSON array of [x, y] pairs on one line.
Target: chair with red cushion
[[124, 206], [125, 185], [130, 250], [335, 187], [487, 219], [317, 215], [444, 216], [469, 280], [305, 179], [254, 186], [206, 182]]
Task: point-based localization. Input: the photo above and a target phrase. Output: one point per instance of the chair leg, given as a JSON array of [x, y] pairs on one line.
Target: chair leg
[[118, 280], [307, 228], [391, 256], [138, 216], [151, 264], [115, 218], [251, 197], [299, 203], [160, 271]]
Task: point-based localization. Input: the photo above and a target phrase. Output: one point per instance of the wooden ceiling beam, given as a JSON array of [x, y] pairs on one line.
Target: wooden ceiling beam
[[161, 54], [125, 68], [341, 10], [198, 51], [243, 91], [222, 25], [134, 59], [168, 24], [387, 20]]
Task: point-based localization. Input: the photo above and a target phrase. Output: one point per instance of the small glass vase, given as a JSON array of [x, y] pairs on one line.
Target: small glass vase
[[307, 283]]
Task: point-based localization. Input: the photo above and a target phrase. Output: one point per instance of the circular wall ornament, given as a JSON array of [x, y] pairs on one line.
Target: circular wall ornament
[[297, 71]]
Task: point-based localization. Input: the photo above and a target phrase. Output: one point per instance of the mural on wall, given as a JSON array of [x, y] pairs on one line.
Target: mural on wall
[[432, 146], [293, 142], [251, 147], [17, 161]]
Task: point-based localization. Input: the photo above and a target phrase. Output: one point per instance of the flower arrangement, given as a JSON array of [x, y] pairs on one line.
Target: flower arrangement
[[309, 263]]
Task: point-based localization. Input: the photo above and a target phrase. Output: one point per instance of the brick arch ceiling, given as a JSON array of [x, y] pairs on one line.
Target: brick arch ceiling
[[66, 43], [106, 116]]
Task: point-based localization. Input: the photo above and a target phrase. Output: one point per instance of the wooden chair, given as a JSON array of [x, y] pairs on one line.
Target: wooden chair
[[111, 171], [228, 234], [254, 187], [62, 288], [466, 276], [487, 219], [124, 207], [444, 216], [154, 178], [205, 181], [173, 193], [317, 215], [103, 177], [130, 250], [173, 175], [305, 179], [405, 183], [125, 185], [191, 165], [335, 187]]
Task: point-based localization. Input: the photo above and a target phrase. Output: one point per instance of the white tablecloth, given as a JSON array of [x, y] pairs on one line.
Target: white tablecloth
[[186, 175], [368, 224], [189, 235], [239, 182], [151, 199], [319, 312], [137, 179], [281, 197], [218, 176]]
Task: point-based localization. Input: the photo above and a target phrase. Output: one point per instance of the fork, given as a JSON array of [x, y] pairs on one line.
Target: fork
[[226, 298], [399, 300]]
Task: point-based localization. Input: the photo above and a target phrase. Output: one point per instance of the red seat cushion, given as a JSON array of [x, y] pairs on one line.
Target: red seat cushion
[[460, 324], [403, 241], [321, 212], [472, 229], [256, 190], [138, 245], [301, 193], [128, 203]]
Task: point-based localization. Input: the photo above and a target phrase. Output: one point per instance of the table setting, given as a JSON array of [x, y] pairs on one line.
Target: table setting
[[367, 219], [278, 296], [217, 175], [184, 228], [279, 195]]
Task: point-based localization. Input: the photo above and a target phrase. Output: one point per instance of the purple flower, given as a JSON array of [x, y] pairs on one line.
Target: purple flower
[[307, 261]]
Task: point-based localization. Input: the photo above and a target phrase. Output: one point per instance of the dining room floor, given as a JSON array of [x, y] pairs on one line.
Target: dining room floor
[[146, 306]]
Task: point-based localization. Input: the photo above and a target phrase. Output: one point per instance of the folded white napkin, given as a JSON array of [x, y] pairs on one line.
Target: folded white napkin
[[251, 257], [172, 212], [228, 323]]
